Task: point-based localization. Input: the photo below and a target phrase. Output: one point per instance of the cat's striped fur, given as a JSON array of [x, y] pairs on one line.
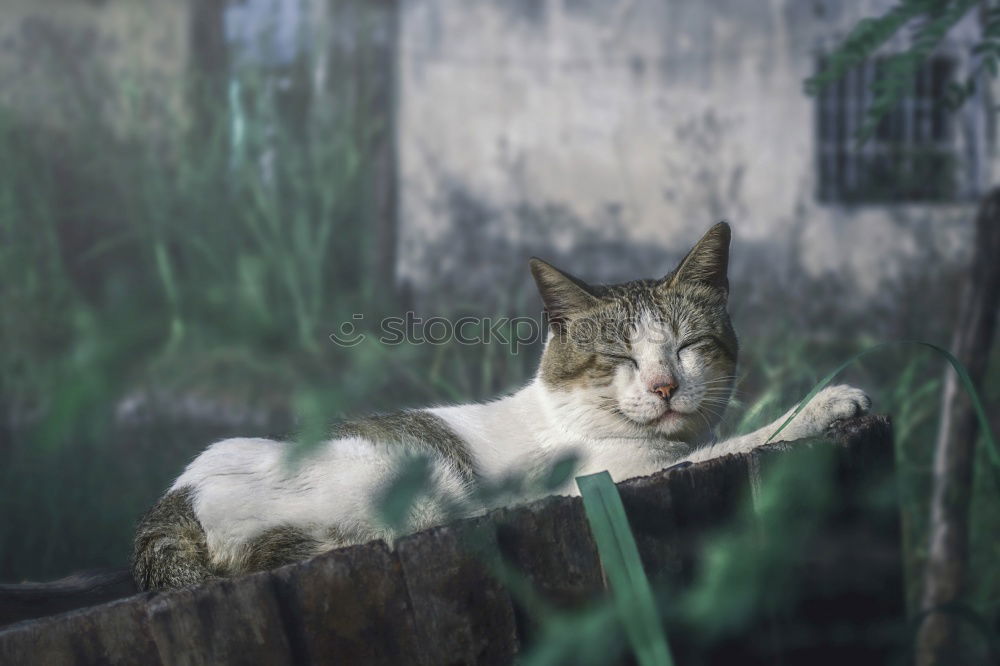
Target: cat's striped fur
[[633, 378]]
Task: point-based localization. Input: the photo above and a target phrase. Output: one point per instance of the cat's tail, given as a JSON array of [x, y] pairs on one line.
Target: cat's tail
[[27, 601], [170, 545]]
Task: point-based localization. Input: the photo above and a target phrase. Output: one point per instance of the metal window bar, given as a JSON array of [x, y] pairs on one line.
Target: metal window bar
[[842, 149], [925, 98], [869, 150], [919, 134], [851, 110], [831, 142]]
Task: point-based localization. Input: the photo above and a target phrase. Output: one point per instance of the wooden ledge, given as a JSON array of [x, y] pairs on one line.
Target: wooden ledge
[[430, 601]]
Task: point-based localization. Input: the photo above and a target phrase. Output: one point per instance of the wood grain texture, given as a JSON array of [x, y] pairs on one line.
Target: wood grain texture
[[435, 601]]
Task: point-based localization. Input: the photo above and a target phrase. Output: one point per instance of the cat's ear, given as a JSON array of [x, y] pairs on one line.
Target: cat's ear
[[562, 294], [707, 262]]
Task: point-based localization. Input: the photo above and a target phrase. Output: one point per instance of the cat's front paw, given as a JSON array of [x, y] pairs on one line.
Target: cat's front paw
[[832, 404]]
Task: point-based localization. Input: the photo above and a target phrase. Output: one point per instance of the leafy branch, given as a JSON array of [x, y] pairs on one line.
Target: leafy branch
[[932, 19]]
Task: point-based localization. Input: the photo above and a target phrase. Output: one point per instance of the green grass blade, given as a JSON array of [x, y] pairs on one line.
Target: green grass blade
[[620, 558], [984, 424]]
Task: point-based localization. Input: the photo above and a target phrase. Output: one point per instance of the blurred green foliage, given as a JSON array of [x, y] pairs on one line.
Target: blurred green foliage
[[143, 274], [930, 20], [163, 288], [750, 568]]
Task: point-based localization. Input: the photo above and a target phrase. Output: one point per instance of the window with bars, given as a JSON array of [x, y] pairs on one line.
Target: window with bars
[[911, 157]]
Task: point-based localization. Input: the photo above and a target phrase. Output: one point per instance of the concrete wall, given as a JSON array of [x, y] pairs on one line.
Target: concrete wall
[[635, 122], [604, 134]]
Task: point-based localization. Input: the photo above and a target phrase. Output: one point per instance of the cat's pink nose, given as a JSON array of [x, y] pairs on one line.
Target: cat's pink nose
[[664, 389]]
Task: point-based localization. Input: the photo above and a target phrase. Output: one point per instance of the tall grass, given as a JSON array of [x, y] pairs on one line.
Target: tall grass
[[140, 265], [209, 265], [749, 570], [152, 273]]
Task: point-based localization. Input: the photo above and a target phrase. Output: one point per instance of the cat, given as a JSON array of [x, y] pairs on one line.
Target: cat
[[633, 378]]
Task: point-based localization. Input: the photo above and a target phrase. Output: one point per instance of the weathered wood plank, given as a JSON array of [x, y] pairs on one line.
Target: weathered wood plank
[[671, 512], [349, 607], [462, 614], [848, 600], [234, 621], [549, 543], [25, 601], [434, 600], [114, 633]]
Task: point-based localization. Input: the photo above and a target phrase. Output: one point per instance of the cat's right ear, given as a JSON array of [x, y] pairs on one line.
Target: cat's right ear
[[707, 262], [562, 294]]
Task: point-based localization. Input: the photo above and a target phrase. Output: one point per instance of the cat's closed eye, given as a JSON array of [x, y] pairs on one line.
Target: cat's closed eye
[[696, 343], [623, 358]]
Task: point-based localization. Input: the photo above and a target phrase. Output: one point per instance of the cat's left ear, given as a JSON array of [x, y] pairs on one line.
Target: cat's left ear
[[707, 262], [562, 294]]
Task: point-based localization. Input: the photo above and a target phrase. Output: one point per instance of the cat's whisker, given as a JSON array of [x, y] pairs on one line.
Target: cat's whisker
[[725, 395], [708, 424], [708, 409], [717, 394], [719, 380]]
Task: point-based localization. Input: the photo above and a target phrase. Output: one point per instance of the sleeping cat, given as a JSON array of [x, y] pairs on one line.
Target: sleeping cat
[[633, 378]]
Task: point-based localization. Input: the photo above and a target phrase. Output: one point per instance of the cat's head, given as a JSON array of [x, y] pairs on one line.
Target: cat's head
[[649, 358]]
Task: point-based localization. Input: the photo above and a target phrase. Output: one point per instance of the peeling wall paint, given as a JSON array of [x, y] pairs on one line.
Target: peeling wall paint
[[608, 134], [643, 121]]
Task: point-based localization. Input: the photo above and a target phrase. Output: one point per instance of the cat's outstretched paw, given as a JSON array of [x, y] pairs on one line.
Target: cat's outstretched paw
[[832, 404]]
